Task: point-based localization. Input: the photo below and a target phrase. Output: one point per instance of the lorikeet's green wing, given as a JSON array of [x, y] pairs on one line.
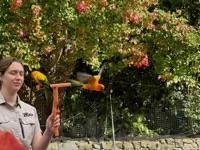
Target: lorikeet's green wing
[[75, 83], [48, 91]]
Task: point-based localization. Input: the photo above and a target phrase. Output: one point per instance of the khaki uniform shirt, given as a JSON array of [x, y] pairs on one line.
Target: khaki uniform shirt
[[21, 120]]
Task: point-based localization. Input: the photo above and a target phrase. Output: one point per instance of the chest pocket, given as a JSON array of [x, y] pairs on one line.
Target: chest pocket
[[28, 121], [27, 127], [4, 123]]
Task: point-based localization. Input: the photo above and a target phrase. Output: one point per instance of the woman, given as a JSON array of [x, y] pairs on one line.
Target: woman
[[17, 117]]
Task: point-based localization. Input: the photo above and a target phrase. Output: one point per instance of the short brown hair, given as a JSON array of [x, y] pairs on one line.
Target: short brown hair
[[5, 64]]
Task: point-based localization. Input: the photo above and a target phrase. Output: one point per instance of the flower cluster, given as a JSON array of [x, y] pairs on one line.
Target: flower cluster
[[35, 10], [35, 23], [47, 49], [139, 59], [22, 33], [149, 22], [15, 4], [81, 6], [150, 2], [164, 77], [102, 3], [131, 16]]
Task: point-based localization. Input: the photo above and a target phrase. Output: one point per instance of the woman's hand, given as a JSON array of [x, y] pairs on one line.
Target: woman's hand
[[52, 122]]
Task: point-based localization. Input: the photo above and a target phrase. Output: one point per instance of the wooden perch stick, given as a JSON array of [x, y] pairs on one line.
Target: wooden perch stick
[[55, 101]]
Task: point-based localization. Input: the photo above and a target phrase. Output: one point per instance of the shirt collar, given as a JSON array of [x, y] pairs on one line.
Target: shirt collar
[[18, 102], [2, 100]]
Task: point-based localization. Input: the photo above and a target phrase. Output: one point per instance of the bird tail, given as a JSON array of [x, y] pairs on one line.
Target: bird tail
[[102, 68], [75, 83], [48, 92]]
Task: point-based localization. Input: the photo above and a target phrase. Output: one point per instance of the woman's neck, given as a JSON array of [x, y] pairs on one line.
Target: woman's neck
[[10, 97]]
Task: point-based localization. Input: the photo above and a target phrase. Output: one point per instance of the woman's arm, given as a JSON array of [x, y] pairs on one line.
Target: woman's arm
[[41, 142]]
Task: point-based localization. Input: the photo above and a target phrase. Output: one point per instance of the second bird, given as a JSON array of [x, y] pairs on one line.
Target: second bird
[[87, 81]]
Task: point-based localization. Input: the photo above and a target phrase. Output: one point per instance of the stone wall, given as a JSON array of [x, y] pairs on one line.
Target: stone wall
[[169, 143]]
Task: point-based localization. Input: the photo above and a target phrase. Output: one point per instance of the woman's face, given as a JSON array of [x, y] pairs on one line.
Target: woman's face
[[13, 78]]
